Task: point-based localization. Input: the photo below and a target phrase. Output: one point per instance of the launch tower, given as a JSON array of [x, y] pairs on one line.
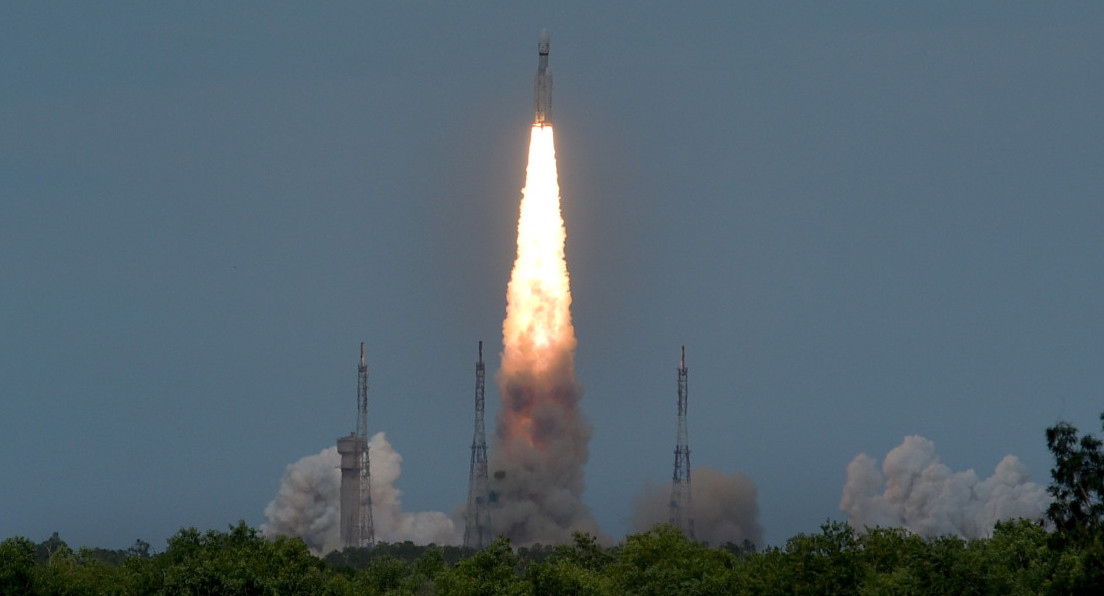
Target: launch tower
[[477, 529], [681, 509], [357, 529]]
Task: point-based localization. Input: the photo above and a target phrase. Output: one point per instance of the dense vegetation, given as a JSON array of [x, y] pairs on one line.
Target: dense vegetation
[[1063, 555]]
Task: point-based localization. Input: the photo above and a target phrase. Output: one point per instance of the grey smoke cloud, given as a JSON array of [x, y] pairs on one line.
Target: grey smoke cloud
[[726, 507], [915, 490], [538, 485], [307, 504]]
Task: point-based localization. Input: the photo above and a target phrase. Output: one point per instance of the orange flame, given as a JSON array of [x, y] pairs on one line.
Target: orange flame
[[541, 435], [538, 338]]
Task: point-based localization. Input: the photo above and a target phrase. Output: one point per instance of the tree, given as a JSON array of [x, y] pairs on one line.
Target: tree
[[17, 566], [239, 561], [825, 563], [48, 547], [385, 574], [662, 561], [1077, 483], [559, 575], [1016, 560], [492, 571], [579, 569], [140, 549]]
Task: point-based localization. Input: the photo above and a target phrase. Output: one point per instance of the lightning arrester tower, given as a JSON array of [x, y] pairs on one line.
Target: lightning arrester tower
[[681, 509], [477, 529], [357, 529]]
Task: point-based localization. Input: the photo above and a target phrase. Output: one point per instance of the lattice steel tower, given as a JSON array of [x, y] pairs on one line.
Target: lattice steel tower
[[357, 529], [477, 529], [681, 509], [367, 528]]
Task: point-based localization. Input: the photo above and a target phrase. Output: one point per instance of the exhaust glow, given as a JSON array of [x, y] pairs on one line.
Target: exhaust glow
[[537, 333], [541, 436]]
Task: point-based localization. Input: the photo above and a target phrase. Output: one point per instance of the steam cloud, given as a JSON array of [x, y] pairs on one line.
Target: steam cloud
[[308, 502], [925, 496], [725, 507]]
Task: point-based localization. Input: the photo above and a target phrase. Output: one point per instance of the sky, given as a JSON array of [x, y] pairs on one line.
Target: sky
[[863, 220]]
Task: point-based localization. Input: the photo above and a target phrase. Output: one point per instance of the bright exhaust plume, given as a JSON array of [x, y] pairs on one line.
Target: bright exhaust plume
[[541, 439]]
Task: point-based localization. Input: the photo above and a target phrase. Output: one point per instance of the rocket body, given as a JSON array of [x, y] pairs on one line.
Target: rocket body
[[542, 84]]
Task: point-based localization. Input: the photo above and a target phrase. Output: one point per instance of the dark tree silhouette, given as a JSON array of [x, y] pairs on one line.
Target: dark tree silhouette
[[1077, 482]]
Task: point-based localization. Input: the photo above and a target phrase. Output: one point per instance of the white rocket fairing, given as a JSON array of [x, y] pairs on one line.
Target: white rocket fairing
[[542, 85]]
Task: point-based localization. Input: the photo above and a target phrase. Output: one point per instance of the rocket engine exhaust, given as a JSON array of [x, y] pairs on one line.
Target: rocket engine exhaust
[[541, 436]]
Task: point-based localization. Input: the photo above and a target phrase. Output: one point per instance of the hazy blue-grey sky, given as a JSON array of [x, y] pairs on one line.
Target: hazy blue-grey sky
[[864, 221]]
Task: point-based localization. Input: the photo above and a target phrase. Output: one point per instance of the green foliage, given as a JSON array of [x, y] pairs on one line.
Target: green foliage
[[825, 563], [493, 570], [1016, 560], [240, 561], [1020, 558], [1077, 483], [362, 557], [1079, 568], [47, 547], [662, 561], [578, 569], [585, 552], [385, 575], [562, 576], [17, 566]]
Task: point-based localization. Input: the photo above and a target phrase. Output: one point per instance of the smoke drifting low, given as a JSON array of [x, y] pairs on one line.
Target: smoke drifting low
[[726, 507], [308, 502], [915, 490]]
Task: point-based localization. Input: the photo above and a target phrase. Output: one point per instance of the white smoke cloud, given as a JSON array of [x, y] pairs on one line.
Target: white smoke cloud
[[390, 522], [308, 502], [726, 507], [925, 496]]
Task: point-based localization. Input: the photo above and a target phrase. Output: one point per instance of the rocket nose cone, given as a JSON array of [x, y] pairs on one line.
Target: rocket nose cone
[[543, 42]]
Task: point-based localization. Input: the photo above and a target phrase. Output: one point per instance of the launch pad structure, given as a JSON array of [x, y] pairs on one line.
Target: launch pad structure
[[477, 526], [357, 529], [681, 508]]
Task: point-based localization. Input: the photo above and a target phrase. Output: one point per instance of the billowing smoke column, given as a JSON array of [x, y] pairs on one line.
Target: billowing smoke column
[[307, 504], [725, 508], [925, 496], [541, 437]]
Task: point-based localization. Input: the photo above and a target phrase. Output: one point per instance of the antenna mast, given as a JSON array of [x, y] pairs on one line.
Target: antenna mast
[[477, 529], [681, 514]]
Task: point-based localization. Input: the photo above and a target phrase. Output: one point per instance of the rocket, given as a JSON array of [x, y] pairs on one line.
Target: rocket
[[542, 85]]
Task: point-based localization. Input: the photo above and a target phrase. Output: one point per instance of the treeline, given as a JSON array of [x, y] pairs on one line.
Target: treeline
[[1021, 557], [1062, 555]]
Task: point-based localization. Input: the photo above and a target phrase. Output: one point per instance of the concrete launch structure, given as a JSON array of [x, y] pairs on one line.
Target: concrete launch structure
[[349, 448], [542, 84]]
